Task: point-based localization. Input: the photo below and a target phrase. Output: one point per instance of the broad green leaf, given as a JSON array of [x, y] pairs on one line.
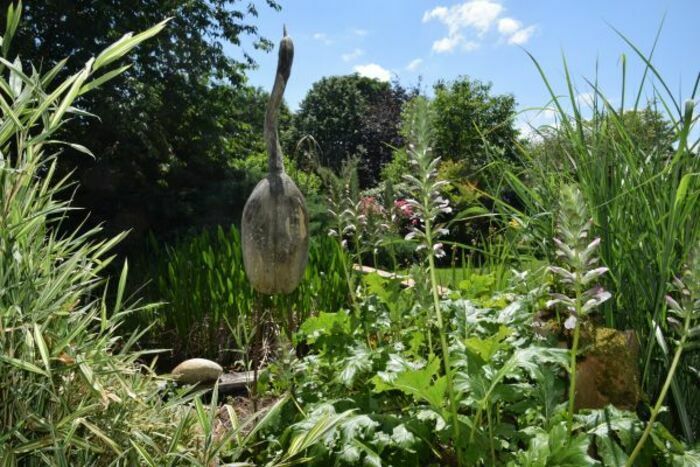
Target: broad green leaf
[[610, 452], [359, 361], [688, 458], [325, 324], [421, 384], [403, 437], [557, 448], [487, 348]]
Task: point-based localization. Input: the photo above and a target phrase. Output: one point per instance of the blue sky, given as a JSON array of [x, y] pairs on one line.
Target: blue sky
[[484, 39]]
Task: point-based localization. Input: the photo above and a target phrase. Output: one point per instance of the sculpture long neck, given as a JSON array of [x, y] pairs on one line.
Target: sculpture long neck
[[284, 68]]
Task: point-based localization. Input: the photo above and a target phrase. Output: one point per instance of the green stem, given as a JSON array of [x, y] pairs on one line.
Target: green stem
[[662, 395], [572, 364], [493, 449], [443, 337], [348, 278], [572, 373]]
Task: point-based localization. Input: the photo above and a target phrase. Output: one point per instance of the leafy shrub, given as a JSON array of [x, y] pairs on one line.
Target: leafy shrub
[[351, 116], [254, 168]]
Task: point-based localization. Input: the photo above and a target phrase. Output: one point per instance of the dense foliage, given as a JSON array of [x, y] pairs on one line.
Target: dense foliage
[[71, 390], [472, 127], [590, 228], [208, 304], [170, 123], [409, 377], [471, 123], [637, 170]]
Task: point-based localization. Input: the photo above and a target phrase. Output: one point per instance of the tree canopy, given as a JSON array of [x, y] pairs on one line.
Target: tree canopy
[[470, 121], [352, 116], [169, 125]]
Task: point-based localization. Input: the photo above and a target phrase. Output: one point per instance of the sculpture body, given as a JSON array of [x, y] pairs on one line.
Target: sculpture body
[[274, 229]]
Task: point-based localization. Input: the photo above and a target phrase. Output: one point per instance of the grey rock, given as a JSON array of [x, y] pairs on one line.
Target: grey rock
[[197, 370]]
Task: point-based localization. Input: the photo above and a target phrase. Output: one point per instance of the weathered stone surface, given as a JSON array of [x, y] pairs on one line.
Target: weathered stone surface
[[608, 374], [197, 370], [275, 235], [228, 385]]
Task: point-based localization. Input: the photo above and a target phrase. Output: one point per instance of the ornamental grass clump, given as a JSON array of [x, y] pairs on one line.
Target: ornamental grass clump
[[683, 305], [72, 391], [578, 273], [634, 155]]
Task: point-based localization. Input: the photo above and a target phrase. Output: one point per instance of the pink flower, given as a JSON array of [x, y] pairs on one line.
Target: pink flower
[[404, 208]]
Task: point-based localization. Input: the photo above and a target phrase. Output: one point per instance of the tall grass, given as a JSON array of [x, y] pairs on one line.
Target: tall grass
[[644, 197], [201, 283]]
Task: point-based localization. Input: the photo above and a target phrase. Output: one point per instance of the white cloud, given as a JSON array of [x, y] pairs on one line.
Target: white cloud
[[415, 64], [508, 26], [374, 71], [477, 14], [521, 36], [475, 18], [350, 56], [322, 37], [447, 44], [439, 12], [360, 32]]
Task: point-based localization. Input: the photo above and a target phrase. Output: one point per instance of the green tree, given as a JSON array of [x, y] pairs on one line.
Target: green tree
[[170, 124], [351, 116], [471, 127], [471, 124]]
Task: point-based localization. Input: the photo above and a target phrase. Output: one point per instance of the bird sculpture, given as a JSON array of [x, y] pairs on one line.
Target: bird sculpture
[[274, 229]]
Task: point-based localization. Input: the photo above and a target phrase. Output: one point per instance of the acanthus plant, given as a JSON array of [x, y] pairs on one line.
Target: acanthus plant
[[343, 191], [359, 225], [426, 203], [377, 223], [578, 273]]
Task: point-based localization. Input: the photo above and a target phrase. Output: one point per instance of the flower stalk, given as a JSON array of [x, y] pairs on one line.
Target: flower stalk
[[426, 205], [578, 273]]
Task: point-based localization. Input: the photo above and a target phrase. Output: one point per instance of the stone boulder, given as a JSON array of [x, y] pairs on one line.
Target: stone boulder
[[197, 370], [608, 372]]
